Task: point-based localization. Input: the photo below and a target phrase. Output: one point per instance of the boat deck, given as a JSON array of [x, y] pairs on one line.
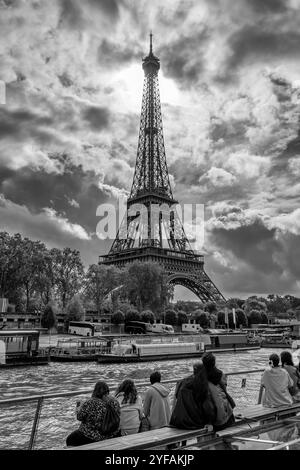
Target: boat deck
[[169, 436]]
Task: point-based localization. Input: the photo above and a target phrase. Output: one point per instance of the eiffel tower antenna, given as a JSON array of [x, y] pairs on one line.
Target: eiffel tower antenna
[[151, 38], [155, 232]]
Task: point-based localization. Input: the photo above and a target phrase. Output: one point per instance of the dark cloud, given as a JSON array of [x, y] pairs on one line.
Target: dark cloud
[[36, 189], [117, 54], [21, 124], [254, 244], [179, 59], [254, 42], [268, 6], [65, 80], [74, 12], [98, 118], [282, 88]]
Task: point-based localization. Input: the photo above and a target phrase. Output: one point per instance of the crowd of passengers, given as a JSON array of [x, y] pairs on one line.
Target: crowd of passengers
[[200, 400]]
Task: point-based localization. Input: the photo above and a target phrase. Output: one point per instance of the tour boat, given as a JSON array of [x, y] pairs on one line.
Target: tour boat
[[222, 341], [177, 347], [135, 352], [21, 348], [275, 340], [77, 349]]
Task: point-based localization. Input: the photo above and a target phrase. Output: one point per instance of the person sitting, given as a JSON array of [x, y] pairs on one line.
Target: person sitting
[[276, 382], [193, 408], [217, 384], [287, 363], [196, 366], [91, 413], [131, 407], [157, 403]]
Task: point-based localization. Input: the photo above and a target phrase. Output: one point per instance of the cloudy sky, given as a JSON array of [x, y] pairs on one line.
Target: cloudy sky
[[230, 88]]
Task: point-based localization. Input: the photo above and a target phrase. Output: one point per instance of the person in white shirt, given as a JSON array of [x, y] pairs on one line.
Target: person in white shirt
[[276, 382], [131, 407]]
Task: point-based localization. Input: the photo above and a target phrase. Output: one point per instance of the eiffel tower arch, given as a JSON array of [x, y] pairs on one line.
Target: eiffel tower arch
[[151, 229]]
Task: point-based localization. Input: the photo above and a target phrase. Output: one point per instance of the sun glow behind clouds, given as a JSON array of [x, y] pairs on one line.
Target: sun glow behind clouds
[[131, 80]]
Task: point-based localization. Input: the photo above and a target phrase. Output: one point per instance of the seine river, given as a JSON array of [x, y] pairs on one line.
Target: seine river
[[58, 415]]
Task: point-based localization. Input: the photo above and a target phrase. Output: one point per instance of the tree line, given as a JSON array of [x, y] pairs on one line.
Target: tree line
[[46, 281]]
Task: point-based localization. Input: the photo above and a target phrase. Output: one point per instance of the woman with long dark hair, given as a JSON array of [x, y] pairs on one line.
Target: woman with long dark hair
[[217, 385], [288, 364], [92, 413], [131, 407], [193, 408]]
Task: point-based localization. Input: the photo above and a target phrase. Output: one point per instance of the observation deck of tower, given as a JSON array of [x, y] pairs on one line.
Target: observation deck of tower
[[161, 239]]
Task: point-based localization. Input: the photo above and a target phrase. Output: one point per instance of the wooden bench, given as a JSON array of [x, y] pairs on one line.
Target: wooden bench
[[169, 435], [162, 437], [259, 412]]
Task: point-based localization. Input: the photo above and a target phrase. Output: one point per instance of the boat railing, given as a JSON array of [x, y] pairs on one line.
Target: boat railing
[[40, 399]]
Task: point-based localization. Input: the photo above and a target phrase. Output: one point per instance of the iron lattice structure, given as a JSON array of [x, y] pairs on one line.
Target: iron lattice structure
[[151, 229]]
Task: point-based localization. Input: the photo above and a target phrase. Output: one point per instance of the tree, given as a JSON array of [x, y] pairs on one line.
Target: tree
[[147, 316], [118, 318], [181, 318], [100, 283], [264, 317], [132, 315], [221, 317], [254, 317], [170, 317], [203, 320], [241, 318], [68, 273], [75, 310], [48, 319], [254, 303], [32, 267], [210, 307], [234, 303], [10, 263], [277, 304], [145, 285], [196, 313]]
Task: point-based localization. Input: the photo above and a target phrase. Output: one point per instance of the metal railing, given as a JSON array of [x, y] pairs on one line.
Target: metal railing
[[40, 399]]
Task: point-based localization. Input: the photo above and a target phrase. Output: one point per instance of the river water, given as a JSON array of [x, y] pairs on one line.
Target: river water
[[58, 415]]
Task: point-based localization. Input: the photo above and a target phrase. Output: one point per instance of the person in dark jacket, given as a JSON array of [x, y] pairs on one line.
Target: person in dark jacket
[[91, 414], [194, 408], [196, 367], [217, 384]]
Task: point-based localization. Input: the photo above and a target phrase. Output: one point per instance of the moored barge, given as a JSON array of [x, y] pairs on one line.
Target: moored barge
[[21, 348], [134, 352], [84, 349]]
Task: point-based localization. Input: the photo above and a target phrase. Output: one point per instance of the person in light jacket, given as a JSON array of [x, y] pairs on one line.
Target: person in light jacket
[[157, 406], [288, 365], [276, 382], [131, 407]]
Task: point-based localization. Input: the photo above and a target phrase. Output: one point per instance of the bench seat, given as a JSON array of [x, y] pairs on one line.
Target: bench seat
[[169, 435]]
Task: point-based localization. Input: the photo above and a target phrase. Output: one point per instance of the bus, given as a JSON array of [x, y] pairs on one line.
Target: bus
[[137, 327], [81, 328]]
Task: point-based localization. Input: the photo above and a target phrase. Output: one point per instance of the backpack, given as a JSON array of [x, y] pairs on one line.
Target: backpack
[[111, 419]]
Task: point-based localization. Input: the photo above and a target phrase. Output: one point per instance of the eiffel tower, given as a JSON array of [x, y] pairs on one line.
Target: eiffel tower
[[151, 229]]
